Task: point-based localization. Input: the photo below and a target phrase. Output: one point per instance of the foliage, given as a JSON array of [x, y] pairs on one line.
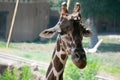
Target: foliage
[[26, 73], [91, 70], [90, 8], [10, 75], [15, 74], [73, 73], [55, 4]]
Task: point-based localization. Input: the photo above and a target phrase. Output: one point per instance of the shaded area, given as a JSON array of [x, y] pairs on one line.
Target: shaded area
[[109, 47], [3, 21]]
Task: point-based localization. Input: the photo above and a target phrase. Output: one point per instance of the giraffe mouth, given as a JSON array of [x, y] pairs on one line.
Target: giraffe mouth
[[79, 59], [80, 64]]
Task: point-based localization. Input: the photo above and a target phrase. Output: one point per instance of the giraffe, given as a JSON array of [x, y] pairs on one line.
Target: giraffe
[[69, 42]]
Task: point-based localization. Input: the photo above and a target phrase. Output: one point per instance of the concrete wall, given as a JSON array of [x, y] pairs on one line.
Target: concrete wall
[[31, 19]]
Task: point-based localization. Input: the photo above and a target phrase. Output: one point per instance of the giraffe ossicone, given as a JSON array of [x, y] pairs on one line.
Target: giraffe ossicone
[[69, 42]]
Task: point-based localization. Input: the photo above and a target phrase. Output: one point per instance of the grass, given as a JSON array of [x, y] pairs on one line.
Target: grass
[[108, 55], [2, 44], [30, 50]]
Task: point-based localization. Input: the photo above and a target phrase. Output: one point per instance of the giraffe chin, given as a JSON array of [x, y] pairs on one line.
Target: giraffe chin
[[80, 63]]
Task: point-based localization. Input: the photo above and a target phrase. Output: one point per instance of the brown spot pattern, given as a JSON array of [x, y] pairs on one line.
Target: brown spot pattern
[[69, 45], [52, 76], [49, 68], [57, 64], [61, 76], [58, 45], [65, 47], [63, 56]]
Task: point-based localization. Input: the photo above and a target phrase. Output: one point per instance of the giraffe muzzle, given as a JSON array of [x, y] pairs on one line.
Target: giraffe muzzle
[[79, 58]]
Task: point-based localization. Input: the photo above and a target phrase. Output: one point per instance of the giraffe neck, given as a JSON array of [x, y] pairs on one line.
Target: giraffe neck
[[56, 67]]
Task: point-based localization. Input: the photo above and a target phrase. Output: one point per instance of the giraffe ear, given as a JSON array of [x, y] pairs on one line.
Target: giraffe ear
[[48, 33]]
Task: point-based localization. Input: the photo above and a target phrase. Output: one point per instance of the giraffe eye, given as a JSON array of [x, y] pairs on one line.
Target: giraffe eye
[[63, 33]]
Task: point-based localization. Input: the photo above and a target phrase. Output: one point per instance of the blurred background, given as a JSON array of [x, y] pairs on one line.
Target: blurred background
[[33, 16], [102, 17]]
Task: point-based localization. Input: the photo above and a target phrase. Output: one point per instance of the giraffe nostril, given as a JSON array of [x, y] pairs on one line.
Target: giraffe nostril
[[76, 55]]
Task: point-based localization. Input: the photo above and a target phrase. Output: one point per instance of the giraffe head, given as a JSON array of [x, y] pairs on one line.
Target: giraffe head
[[71, 34]]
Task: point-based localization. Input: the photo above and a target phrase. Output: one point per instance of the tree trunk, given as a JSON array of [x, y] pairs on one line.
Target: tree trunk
[[94, 38]]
